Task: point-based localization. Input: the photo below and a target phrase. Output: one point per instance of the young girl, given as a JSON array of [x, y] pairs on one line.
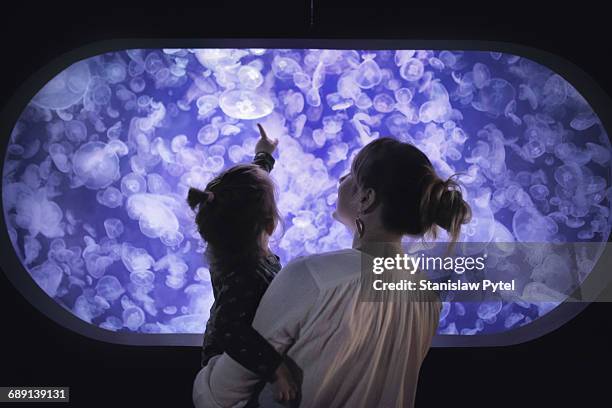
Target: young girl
[[236, 215]]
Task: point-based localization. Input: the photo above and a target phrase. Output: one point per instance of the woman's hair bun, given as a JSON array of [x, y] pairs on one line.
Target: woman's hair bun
[[197, 197], [451, 208], [444, 210]]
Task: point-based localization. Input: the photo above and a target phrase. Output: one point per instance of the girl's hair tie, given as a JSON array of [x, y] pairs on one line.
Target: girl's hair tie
[[196, 197]]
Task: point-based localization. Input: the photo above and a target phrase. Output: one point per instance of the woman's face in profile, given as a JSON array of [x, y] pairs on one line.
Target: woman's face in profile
[[346, 205]]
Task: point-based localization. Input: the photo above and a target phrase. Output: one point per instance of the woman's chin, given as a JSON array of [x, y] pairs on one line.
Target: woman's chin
[[338, 218]]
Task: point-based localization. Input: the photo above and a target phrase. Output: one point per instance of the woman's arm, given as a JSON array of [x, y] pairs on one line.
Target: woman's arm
[[281, 313]]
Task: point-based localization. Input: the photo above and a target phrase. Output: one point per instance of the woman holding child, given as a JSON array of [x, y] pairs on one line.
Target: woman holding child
[[302, 336]]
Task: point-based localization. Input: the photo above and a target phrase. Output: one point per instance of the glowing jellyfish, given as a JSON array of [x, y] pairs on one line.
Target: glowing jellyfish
[[89, 305], [66, 89], [302, 80], [436, 111], [494, 97], [245, 104], [133, 183], [531, 226], [284, 68], [403, 96], [115, 72], [200, 299], [76, 131], [207, 104], [348, 87], [489, 309], [189, 323], [208, 134], [236, 153], [363, 101], [109, 288], [154, 213], [249, 77], [583, 121], [398, 124], [133, 317], [401, 56], [113, 227], [294, 104], [412, 70], [318, 76], [96, 165], [99, 91], [368, 74], [217, 58], [538, 191], [568, 176], [337, 102], [383, 103], [555, 91], [153, 63], [481, 75], [48, 276]]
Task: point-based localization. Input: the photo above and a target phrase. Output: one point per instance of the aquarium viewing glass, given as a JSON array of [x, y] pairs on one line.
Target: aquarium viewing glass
[[99, 162]]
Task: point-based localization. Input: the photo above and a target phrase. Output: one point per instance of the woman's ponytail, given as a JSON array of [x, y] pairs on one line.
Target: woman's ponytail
[[442, 204]]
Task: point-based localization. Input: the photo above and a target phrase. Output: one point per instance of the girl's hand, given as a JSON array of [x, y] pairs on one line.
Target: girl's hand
[[265, 144], [285, 388]]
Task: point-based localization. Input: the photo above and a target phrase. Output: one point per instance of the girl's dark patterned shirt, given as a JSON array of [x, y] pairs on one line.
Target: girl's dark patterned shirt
[[237, 295]]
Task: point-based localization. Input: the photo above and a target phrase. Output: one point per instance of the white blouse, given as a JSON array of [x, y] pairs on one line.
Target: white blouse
[[350, 353]]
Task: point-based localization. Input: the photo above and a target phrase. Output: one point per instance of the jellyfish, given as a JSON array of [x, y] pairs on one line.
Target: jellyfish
[[403, 96], [75, 131], [383, 103], [249, 77], [109, 288], [554, 91], [285, 68], [481, 75], [154, 213], [412, 70], [529, 225], [48, 276], [208, 134], [66, 88], [348, 87], [494, 97], [96, 165], [368, 74], [133, 318], [245, 104]]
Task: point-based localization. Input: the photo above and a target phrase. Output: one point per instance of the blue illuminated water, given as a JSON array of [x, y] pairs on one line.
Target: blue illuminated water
[[100, 161]]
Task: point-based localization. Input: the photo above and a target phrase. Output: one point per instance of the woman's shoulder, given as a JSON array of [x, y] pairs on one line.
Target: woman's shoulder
[[305, 260], [326, 267]]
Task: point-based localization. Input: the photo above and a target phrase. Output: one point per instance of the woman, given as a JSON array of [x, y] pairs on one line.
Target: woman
[[347, 352]]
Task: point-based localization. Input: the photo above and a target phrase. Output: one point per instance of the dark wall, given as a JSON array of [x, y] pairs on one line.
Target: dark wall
[[564, 368]]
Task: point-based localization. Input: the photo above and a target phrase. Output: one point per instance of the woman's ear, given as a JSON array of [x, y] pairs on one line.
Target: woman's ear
[[367, 200]]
